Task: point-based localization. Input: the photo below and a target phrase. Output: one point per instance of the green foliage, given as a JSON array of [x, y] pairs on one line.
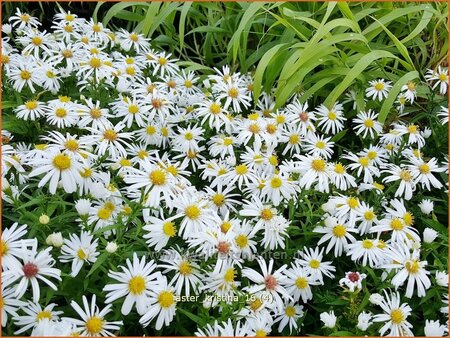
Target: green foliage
[[322, 49]]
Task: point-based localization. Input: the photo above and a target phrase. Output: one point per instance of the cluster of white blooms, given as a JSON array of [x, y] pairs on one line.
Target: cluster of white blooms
[[209, 175]]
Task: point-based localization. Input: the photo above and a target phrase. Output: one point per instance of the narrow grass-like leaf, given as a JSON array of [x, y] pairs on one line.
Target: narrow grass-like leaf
[[262, 65], [353, 73], [393, 93]]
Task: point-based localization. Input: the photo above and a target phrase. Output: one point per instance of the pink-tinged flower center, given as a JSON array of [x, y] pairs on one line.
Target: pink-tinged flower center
[[30, 270], [353, 276], [223, 247], [271, 282], [303, 116]]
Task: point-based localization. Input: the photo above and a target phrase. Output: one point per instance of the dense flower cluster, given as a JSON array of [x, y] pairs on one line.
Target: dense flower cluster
[[209, 177]]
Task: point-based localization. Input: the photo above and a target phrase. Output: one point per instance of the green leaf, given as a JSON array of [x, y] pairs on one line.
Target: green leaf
[[353, 73], [393, 93], [245, 22], [100, 260], [182, 25], [262, 65]]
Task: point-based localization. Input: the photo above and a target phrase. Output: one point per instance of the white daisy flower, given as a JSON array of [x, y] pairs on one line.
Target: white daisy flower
[[379, 89], [394, 316], [135, 284], [79, 250], [93, 322], [162, 304]]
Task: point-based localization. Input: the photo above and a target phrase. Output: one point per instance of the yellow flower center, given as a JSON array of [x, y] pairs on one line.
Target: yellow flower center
[[271, 128], [185, 268], [339, 168], [67, 53], [218, 199], [3, 247], [104, 213], [408, 218], [227, 141], [320, 145], [424, 168], [136, 285], [71, 145], [364, 161], [95, 62], [94, 325], [293, 139], [215, 108], [162, 61], [276, 182], [405, 175], [412, 129], [273, 160], [290, 311], [158, 177], [142, 154], [150, 130], [318, 164], [241, 241], [332, 115], [412, 266], [241, 169], [188, 136], [62, 162], [43, 314], [256, 304], [25, 75], [314, 263], [372, 154], [166, 299], [96, 28], [134, 37], [37, 40], [164, 132], [339, 230], [367, 244], [279, 119], [411, 86], [254, 128], [442, 77], [30, 105], [230, 275], [225, 226], [233, 92], [397, 224], [86, 172], [130, 71], [353, 202], [260, 333], [81, 254], [110, 135], [397, 316], [369, 215], [25, 17], [169, 229], [379, 86], [301, 283], [5, 58], [369, 123], [266, 214], [192, 212]]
